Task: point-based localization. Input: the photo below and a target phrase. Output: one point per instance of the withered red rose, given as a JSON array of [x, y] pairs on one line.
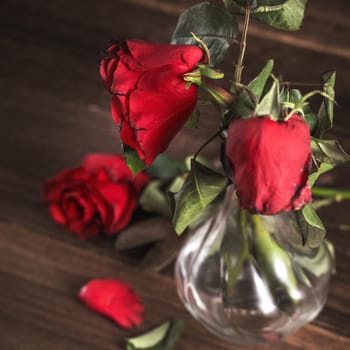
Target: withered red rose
[[98, 196], [151, 101], [270, 163]]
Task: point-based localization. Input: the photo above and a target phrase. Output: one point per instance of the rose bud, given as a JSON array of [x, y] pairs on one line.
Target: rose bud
[[151, 101], [270, 163], [114, 299], [99, 196]]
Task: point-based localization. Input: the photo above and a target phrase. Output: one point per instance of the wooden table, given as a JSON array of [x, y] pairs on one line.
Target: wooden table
[[54, 110]]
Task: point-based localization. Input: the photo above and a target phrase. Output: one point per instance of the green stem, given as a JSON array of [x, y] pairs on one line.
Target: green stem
[[337, 194], [206, 143], [243, 226], [243, 46], [235, 269], [274, 261]]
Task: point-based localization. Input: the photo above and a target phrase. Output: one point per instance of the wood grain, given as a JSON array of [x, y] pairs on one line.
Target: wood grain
[[53, 111]]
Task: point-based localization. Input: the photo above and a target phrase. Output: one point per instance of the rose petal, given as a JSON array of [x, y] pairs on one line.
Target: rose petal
[[123, 200], [158, 114], [156, 55], [115, 299], [270, 163]]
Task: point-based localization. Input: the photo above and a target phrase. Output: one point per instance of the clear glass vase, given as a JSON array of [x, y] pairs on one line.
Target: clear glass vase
[[247, 278]]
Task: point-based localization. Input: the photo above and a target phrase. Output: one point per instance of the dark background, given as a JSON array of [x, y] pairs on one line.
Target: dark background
[[54, 110]]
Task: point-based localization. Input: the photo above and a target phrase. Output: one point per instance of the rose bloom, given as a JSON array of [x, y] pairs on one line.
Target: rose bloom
[[99, 196], [270, 163], [151, 101], [114, 299]]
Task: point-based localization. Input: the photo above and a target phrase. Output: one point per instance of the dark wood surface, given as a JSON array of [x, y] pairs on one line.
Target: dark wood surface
[[54, 110]]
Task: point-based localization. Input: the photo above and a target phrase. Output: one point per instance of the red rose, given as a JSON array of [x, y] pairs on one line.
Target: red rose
[[270, 163], [150, 102], [101, 195], [114, 299]]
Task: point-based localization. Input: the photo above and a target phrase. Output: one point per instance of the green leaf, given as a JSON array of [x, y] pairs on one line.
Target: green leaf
[[311, 226], [257, 85], [325, 113], [310, 118], [161, 338], [202, 185], [245, 105], [324, 167], [133, 160], [286, 15], [256, 3], [289, 17], [165, 168], [151, 338], [328, 151], [175, 330], [270, 103], [294, 96], [214, 25], [192, 121], [155, 200]]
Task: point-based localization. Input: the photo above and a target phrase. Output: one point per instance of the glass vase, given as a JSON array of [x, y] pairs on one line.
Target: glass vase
[[247, 278]]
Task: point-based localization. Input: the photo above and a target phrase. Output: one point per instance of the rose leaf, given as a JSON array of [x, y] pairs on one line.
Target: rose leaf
[[324, 167], [165, 168], [271, 4], [192, 121], [286, 15], [270, 103], [162, 337], [328, 151], [133, 161], [325, 113], [214, 25], [202, 185], [312, 229], [155, 200]]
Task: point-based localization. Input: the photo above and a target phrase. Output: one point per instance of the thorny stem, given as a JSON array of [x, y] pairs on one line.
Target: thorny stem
[[243, 46]]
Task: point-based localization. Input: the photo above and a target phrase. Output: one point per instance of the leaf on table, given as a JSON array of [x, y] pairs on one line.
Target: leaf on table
[[162, 337], [144, 232], [154, 199], [162, 253]]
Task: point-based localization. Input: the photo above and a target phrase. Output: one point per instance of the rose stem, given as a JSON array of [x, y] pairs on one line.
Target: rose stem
[[207, 143], [337, 195], [243, 46]]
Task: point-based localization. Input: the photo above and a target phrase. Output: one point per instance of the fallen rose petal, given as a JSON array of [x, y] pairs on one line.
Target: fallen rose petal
[[115, 299]]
